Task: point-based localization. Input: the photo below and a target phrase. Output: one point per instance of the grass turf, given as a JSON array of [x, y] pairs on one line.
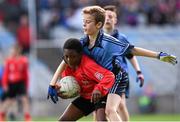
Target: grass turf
[[149, 117]]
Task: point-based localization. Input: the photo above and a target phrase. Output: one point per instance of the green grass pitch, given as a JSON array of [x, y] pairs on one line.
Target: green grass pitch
[[150, 117]]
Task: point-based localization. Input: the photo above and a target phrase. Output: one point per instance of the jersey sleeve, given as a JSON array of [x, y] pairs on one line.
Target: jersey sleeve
[[128, 50], [117, 46], [103, 77], [129, 56], [124, 39]]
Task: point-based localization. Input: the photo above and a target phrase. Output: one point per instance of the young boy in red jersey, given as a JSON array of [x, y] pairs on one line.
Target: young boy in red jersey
[[15, 82], [94, 81]]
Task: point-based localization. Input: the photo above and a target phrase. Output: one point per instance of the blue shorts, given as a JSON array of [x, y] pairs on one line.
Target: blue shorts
[[122, 85]]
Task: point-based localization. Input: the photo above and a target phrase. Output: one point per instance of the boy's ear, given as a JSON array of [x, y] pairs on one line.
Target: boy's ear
[[99, 25], [115, 17], [115, 20]]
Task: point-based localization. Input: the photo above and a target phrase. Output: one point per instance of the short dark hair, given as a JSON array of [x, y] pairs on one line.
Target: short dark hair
[[74, 44], [110, 8]]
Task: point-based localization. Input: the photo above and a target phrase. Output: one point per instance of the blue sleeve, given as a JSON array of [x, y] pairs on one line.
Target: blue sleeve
[[128, 50], [123, 38], [119, 47]]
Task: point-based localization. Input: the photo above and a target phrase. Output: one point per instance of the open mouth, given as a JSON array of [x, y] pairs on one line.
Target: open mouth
[[108, 23]]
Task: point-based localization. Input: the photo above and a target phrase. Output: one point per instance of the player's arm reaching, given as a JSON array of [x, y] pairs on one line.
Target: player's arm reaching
[[124, 48], [52, 92], [158, 55], [133, 60]]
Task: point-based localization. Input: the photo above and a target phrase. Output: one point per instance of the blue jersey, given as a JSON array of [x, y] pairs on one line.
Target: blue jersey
[[122, 38], [106, 49]]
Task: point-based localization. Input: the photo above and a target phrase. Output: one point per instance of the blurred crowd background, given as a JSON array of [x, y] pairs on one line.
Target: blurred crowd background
[[52, 14], [42, 26]]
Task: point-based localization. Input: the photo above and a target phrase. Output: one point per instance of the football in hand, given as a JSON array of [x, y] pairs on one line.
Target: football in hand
[[68, 87]]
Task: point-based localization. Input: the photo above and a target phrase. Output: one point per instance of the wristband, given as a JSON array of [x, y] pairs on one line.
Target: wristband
[[52, 86], [139, 72], [159, 55]]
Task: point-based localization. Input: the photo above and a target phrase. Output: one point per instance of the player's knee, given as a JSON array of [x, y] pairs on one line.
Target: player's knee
[[109, 111], [122, 105]]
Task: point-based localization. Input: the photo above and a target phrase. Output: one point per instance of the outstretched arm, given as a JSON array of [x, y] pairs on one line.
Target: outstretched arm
[[152, 54], [144, 52]]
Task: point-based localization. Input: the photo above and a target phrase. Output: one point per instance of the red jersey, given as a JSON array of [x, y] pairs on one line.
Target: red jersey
[[91, 76], [15, 70], [23, 36]]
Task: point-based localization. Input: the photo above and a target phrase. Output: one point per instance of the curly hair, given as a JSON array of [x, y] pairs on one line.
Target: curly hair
[[74, 44]]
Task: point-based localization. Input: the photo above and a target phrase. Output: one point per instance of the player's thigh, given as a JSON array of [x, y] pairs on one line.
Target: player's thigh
[[72, 113], [100, 109], [113, 101]]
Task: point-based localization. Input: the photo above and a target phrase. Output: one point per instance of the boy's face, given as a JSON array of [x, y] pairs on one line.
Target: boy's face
[[72, 58], [111, 20], [14, 51], [90, 26]]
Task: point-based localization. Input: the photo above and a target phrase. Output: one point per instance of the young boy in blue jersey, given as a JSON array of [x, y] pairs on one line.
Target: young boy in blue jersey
[[107, 51], [109, 28]]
